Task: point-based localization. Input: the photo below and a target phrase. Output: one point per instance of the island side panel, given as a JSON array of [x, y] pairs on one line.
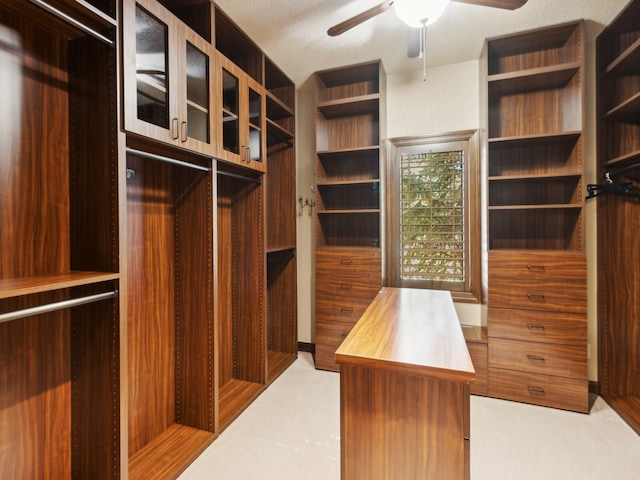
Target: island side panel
[[399, 426]]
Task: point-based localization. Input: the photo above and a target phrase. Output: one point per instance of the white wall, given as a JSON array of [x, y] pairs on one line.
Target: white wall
[[448, 101]]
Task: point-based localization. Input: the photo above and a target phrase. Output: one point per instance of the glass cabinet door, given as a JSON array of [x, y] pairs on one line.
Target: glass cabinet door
[[152, 69], [196, 125], [230, 112], [167, 83], [255, 125]]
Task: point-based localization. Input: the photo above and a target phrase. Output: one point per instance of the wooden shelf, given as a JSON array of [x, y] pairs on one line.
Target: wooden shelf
[[14, 287], [545, 176], [535, 140], [349, 212], [278, 362], [234, 397], [544, 77], [561, 206], [277, 132], [623, 159], [169, 453], [363, 105], [629, 110], [628, 407], [276, 108], [281, 249], [627, 63]]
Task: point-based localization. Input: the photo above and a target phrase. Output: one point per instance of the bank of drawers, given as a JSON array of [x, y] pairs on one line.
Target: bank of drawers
[[537, 328], [347, 280]]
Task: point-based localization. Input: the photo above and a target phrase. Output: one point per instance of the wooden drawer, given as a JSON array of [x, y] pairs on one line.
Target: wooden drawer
[[538, 266], [329, 336], [551, 295], [363, 261], [332, 333], [341, 309], [543, 358], [346, 288], [533, 326], [548, 391]]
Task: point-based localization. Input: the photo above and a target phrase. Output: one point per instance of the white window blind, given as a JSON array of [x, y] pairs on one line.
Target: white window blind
[[432, 217]]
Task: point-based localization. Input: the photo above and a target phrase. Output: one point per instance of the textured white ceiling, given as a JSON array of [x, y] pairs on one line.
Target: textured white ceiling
[[293, 32]]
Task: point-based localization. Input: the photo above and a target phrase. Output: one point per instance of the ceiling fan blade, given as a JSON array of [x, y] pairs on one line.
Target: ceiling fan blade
[[414, 43], [507, 4], [360, 18]]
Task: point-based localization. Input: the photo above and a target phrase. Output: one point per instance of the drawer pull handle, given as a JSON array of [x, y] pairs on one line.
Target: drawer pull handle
[[536, 391], [346, 310], [346, 286], [535, 268], [346, 261], [535, 297], [535, 358], [539, 328]]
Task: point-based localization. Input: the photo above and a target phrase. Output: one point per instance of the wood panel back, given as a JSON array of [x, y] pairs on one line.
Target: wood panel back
[[151, 302], [384, 436]]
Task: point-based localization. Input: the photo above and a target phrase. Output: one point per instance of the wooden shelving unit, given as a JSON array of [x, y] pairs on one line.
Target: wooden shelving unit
[[282, 314], [350, 103], [170, 329], [537, 265], [144, 299], [618, 93], [60, 319], [241, 310]]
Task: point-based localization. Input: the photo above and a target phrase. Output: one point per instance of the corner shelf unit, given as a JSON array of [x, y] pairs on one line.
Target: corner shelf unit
[[282, 306], [350, 112], [535, 176], [618, 93]]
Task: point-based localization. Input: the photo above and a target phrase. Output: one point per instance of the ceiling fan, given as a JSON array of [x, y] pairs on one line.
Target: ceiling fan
[[417, 14], [404, 4]]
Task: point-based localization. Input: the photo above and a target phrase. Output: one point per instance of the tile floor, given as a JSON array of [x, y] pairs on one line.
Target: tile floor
[[292, 432]]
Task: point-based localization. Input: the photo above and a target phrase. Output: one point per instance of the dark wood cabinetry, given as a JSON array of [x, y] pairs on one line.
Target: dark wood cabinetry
[[147, 288], [282, 305], [241, 139], [241, 293], [618, 93], [60, 321], [537, 345], [168, 72], [170, 326], [350, 106]]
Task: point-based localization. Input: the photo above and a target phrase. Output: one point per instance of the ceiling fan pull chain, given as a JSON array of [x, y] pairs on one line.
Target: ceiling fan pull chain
[[423, 51]]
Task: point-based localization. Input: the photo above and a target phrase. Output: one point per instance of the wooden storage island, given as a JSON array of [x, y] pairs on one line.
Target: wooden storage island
[[404, 387]]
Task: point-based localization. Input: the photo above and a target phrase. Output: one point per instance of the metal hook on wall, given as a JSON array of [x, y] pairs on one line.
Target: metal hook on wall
[[306, 203]]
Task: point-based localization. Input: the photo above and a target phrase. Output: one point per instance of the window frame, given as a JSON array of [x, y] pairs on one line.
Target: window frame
[[468, 142]]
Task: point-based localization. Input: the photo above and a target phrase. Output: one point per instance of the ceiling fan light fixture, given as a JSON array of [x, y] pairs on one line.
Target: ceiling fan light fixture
[[418, 13]]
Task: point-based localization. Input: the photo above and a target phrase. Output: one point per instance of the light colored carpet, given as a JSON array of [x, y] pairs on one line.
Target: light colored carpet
[[292, 432]]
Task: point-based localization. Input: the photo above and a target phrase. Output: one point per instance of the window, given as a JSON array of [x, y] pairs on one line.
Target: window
[[433, 224]]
